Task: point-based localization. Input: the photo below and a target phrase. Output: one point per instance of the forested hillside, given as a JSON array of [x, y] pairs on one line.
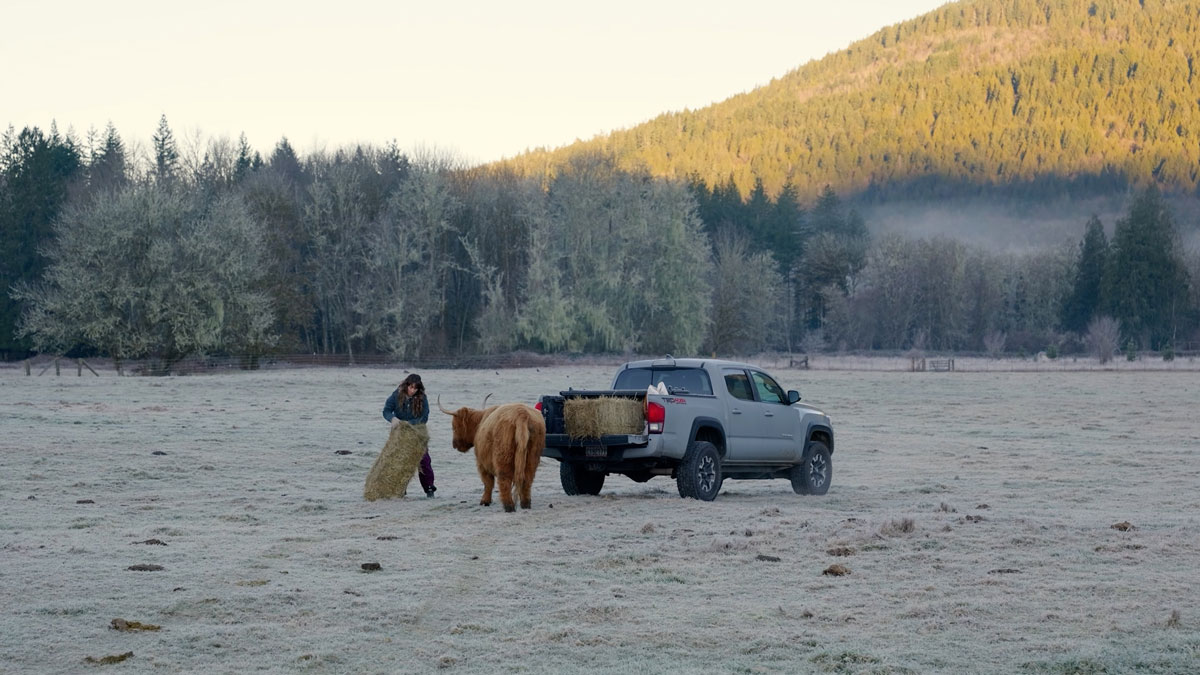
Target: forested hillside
[[1034, 98]]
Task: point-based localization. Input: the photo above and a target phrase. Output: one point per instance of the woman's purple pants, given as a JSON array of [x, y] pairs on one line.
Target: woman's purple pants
[[425, 473]]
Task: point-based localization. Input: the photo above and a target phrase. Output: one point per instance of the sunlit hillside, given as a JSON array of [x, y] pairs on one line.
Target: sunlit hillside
[[1043, 97]]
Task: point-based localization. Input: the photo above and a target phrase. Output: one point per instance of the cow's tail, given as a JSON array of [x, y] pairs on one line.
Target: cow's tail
[[520, 457]]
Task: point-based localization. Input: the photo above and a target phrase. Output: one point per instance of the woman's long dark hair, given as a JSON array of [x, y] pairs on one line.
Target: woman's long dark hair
[[417, 405]]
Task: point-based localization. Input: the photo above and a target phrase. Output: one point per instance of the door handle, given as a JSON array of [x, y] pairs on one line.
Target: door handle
[[736, 411], [768, 414]]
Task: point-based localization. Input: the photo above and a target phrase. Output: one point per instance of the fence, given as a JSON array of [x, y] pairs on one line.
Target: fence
[[920, 364], [215, 364], [41, 364], [80, 364]]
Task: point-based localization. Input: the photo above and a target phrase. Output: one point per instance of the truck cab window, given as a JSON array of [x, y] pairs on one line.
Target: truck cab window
[[738, 385], [691, 381], [768, 390], [633, 378], [678, 380]]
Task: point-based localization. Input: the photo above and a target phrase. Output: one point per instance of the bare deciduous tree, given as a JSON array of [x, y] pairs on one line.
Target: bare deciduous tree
[[814, 342], [1103, 336], [401, 293], [993, 342], [745, 296], [152, 272]]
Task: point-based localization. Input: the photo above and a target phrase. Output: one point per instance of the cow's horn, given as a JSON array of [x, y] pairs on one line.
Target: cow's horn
[[485, 398], [439, 401]]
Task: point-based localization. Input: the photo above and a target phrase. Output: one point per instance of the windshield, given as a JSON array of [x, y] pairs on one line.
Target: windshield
[[678, 380]]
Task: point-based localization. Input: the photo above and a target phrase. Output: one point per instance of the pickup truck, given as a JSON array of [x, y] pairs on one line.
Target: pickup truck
[[719, 419]]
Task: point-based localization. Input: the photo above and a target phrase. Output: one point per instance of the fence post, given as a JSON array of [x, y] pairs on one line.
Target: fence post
[[57, 370], [78, 367]]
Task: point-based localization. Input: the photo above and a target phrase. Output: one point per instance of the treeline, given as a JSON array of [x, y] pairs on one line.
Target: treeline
[[1021, 99], [365, 250]]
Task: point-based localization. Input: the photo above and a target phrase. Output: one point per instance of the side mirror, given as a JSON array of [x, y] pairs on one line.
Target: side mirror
[[793, 396]]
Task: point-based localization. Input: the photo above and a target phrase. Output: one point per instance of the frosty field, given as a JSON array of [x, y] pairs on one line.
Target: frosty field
[[974, 512]]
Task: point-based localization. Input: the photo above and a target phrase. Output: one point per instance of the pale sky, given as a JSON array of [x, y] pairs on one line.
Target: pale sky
[[478, 80]]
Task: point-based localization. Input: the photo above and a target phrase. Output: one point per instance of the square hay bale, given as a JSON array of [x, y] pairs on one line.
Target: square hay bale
[[396, 464], [596, 417]]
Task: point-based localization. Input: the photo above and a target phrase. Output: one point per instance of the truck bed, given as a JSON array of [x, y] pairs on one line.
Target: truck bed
[[552, 409]]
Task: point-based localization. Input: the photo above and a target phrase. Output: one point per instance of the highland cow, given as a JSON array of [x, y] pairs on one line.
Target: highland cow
[[508, 441]]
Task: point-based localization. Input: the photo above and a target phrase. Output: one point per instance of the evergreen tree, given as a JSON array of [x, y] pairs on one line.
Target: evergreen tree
[[758, 220], [1086, 298], [246, 161], [1147, 287], [284, 162], [833, 256], [37, 172], [827, 214], [108, 167], [166, 154], [788, 227]]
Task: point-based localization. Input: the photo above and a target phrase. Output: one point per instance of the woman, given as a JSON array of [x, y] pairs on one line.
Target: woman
[[409, 404]]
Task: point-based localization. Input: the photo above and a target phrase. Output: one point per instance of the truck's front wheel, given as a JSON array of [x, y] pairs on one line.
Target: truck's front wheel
[[577, 480], [813, 475], [699, 475]]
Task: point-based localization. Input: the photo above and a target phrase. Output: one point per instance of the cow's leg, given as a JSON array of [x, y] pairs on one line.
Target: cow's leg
[[506, 490], [488, 480], [523, 491]]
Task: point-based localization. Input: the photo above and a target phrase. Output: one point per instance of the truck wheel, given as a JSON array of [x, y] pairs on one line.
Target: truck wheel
[[577, 480], [699, 475], [814, 473]]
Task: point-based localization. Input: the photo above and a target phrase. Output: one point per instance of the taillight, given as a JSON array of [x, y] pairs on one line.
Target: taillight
[[538, 406], [656, 414]]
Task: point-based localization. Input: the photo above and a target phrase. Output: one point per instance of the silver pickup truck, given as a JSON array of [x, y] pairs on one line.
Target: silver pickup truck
[[718, 419]]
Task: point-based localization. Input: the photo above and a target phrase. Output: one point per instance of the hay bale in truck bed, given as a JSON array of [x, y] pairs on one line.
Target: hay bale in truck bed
[[394, 467], [596, 417]]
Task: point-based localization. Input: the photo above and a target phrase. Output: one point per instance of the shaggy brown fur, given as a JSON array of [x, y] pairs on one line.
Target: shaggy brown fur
[[508, 441], [394, 467]]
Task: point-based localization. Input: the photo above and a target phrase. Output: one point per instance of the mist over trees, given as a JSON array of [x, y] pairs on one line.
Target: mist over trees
[[206, 247]]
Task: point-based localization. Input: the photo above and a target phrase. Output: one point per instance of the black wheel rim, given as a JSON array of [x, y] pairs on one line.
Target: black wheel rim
[[818, 469], [707, 474]]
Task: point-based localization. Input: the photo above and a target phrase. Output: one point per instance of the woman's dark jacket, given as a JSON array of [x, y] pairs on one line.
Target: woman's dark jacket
[[405, 412]]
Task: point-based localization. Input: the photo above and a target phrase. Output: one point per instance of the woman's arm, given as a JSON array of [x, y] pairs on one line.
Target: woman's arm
[[389, 408]]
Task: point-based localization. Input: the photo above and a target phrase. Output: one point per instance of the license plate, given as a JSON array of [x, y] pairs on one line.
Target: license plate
[[596, 451]]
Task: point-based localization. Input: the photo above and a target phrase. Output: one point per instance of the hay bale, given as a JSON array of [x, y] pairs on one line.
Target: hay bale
[[396, 464], [595, 417]]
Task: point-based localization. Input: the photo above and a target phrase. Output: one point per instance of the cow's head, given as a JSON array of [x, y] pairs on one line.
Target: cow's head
[[464, 423]]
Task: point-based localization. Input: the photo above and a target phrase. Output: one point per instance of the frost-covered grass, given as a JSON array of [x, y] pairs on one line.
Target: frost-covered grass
[[974, 511]]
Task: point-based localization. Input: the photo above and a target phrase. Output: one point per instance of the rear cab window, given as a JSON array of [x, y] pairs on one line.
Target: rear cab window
[[738, 384], [683, 381]]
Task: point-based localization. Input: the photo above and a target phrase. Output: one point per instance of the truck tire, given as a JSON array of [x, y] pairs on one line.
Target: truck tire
[[814, 473], [577, 480], [699, 475]]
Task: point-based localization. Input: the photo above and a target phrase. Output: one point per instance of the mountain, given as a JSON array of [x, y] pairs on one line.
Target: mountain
[[1039, 99]]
